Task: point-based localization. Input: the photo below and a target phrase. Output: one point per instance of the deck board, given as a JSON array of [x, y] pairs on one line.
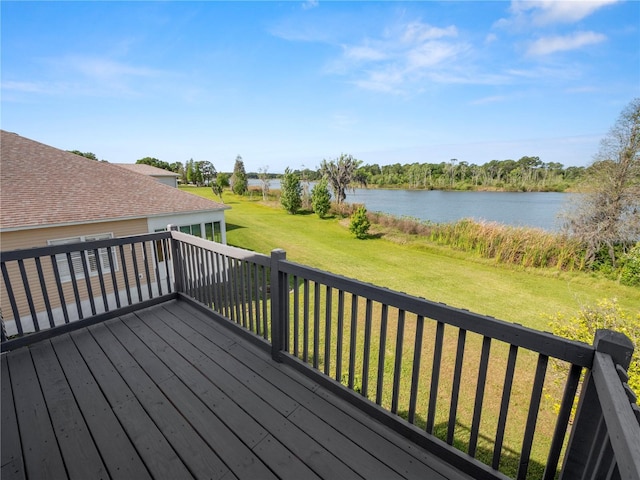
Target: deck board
[[166, 392]]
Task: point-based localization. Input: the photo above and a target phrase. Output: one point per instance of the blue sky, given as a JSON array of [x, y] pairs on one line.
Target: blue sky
[[291, 83]]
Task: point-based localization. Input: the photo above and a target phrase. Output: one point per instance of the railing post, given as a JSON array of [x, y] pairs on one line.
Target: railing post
[[176, 260], [587, 432], [278, 291]]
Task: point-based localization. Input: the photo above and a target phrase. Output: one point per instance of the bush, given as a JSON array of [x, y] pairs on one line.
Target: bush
[[630, 267], [360, 223], [290, 197], [605, 314], [321, 198]]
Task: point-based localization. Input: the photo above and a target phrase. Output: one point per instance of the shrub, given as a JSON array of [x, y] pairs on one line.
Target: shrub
[[630, 267], [360, 224], [321, 198], [604, 314], [291, 192]]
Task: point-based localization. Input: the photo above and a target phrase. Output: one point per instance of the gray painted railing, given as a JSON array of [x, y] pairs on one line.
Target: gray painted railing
[[446, 378]]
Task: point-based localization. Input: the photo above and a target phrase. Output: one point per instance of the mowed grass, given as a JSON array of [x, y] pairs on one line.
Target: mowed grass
[[415, 266]]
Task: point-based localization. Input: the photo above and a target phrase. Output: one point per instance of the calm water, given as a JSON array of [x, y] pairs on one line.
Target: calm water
[[511, 208]]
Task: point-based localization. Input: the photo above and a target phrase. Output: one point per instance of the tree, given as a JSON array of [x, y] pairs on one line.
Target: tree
[[321, 198], [154, 162], [265, 182], [207, 171], [340, 173], [608, 214], [360, 224], [239, 183], [219, 184], [290, 197], [89, 155]]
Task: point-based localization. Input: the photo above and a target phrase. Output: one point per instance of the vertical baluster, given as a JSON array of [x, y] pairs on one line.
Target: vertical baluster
[[74, 284], [305, 316], [397, 370], [167, 259], [257, 305], [250, 282], [435, 377], [208, 282], [340, 335], [327, 331], [220, 288], [266, 319], [156, 266], [145, 257], [477, 408], [114, 281], [455, 393], [243, 294], [87, 281], [415, 375], [352, 340], [534, 405], [12, 300], [136, 271], [103, 289], [27, 291], [56, 275], [125, 274], [381, 353], [367, 347], [286, 310], [504, 406], [316, 323], [562, 422], [296, 317], [45, 294]]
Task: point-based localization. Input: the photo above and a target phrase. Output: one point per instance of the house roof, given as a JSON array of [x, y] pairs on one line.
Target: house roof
[[44, 186], [145, 169]]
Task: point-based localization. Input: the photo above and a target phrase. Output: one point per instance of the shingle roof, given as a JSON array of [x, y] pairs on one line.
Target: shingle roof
[[145, 169], [43, 186]]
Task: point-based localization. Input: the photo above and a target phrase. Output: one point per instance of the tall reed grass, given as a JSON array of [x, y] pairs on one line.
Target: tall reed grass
[[527, 247]]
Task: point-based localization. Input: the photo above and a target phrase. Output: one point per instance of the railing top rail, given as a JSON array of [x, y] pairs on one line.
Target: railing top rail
[[22, 254], [239, 253], [577, 353]]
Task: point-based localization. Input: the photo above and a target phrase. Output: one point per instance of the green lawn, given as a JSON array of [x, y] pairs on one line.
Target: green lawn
[[412, 265]]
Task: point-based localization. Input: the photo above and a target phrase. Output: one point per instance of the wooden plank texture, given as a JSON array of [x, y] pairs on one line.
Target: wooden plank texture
[[167, 392]]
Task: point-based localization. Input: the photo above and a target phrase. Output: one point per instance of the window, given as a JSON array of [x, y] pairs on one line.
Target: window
[[213, 231], [90, 256]]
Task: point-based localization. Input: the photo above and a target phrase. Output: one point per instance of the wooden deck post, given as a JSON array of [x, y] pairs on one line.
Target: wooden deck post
[[589, 432], [279, 290]]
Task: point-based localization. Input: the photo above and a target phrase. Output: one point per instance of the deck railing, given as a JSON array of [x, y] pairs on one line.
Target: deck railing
[[495, 399]]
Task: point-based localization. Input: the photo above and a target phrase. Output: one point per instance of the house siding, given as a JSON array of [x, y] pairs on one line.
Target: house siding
[[39, 238]]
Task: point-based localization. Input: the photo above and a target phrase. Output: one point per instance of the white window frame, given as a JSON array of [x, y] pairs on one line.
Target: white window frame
[[90, 258]]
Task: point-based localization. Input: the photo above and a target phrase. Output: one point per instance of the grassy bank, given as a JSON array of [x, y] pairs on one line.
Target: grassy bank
[[411, 264]]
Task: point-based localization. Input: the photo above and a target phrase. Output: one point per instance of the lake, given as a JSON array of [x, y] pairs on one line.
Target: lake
[[530, 209]]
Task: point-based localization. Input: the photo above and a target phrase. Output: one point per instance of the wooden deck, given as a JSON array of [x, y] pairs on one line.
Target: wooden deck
[[167, 392]]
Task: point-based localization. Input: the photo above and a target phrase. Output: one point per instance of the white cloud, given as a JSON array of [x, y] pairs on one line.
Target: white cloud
[[309, 4], [402, 55], [364, 53], [561, 43], [540, 13], [547, 12], [419, 32]]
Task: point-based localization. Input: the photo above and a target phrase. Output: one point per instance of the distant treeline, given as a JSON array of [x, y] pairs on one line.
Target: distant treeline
[[526, 174]]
